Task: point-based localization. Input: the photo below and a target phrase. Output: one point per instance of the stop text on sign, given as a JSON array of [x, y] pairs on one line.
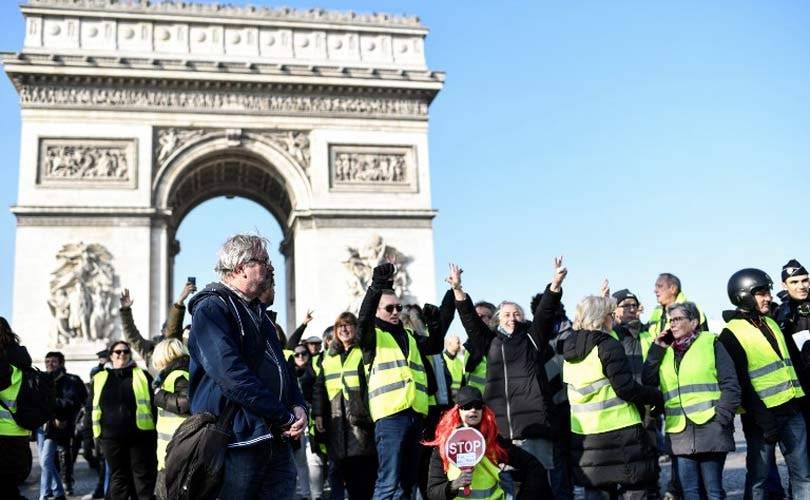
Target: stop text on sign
[[458, 447]]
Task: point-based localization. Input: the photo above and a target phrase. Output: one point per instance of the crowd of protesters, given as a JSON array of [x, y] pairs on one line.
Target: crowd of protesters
[[365, 410]]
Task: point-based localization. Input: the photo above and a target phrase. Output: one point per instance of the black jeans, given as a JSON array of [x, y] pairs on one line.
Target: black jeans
[[15, 465], [133, 466], [359, 475]]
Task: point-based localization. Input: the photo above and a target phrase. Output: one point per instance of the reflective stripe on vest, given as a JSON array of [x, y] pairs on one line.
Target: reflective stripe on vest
[[478, 377], [485, 481], [317, 363], [456, 368], [168, 422], [595, 406], [143, 400], [394, 383], [342, 377], [690, 390], [772, 375], [8, 427]]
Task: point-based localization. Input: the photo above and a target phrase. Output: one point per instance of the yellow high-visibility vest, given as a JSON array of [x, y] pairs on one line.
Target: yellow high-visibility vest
[[654, 326], [395, 383], [143, 400], [168, 422], [691, 391], [772, 375], [486, 483], [456, 368], [342, 377], [595, 406], [478, 376], [8, 427]]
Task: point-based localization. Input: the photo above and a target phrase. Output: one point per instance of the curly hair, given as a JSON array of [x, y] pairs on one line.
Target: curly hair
[[451, 420]]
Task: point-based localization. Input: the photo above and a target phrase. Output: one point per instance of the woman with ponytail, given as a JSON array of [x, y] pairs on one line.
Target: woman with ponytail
[[446, 482]]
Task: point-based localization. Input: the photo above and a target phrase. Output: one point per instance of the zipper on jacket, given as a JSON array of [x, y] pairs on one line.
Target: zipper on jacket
[[506, 393]]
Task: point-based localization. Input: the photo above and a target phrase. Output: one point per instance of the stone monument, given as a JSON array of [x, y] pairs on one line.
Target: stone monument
[[135, 112]]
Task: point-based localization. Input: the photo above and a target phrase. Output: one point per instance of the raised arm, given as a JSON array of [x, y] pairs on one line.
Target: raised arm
[[174, 323], [381, 279], [295, 338], [542, 327], [478, 332], [131, 333]]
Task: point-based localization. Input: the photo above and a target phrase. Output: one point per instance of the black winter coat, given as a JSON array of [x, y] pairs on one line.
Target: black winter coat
[[517, 388], [527, 471], [174, 402], [624, 456], [71, 396], [348, 423]]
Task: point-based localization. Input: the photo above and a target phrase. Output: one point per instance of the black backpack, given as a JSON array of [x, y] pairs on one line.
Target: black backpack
[[195, 457], [36, 400]]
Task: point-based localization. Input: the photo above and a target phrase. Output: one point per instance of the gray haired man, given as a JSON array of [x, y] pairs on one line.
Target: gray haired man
[[236, 358]]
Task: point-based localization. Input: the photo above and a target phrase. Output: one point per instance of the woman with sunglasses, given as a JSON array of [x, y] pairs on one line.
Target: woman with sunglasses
[[445, 481], [123, 416]]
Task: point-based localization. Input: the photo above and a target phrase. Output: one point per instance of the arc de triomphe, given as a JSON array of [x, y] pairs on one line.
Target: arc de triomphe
[[135, 112]]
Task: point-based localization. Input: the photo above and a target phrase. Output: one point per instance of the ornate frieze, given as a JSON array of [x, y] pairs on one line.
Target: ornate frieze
[[293, 142], [192, 100], [83, 291], [372, 168], [108, 163]]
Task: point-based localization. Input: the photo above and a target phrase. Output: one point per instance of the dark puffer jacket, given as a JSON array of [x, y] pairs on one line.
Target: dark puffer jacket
[[624, 456], [348, 422], [517, 388]]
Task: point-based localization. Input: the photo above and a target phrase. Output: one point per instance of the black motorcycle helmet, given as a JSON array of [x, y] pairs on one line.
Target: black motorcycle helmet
[[744, 283]]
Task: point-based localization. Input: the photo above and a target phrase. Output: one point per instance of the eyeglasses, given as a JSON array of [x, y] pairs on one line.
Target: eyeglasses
[[678, 319], [301, 354], [121, 352], [474, 405], [390, 308]]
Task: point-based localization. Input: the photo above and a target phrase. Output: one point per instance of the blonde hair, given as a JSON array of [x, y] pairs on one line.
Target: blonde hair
[[591, 312], [167, 351]]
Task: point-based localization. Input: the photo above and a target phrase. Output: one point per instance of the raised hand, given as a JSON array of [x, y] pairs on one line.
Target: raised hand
[[384, 273], [560, 272], [126, 300], [454, 277], [187, 290], [308, 317], [605, 291]]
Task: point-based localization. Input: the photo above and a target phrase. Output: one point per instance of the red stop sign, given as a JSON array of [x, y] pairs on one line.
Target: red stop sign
[[465, 447]]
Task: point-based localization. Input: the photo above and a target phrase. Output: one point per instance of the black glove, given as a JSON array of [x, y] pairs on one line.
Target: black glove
[[383, 275], [430, 313], [461, 481]]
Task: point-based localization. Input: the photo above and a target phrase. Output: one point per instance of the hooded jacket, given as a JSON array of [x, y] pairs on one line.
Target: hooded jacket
[[624, 456], [236, 356]]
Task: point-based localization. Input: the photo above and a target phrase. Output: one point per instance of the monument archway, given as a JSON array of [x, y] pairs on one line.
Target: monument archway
[[134, 113]]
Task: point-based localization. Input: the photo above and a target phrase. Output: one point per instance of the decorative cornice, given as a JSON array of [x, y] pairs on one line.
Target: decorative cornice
[[233, 11], [221, 97]]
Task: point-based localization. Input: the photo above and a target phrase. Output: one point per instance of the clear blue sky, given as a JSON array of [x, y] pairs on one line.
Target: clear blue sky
[[631, 137]]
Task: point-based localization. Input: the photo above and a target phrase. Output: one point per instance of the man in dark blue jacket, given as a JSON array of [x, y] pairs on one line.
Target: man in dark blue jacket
[[236, 358]]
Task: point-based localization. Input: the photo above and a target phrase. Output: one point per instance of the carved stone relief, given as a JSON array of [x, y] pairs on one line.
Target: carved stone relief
[[32, 96], [360, 263], [108, 163], [83, 295], [293, 142], [372, 168]]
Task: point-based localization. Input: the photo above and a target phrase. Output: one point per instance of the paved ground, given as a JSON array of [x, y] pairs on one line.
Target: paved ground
[[734, 476]]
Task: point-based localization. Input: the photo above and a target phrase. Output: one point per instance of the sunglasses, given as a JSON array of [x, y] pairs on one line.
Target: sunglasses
[[475, 405], [390, 308], [121, 352], [301, 354]]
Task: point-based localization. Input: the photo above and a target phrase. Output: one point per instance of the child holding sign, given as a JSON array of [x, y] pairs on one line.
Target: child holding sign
[[468, 465]]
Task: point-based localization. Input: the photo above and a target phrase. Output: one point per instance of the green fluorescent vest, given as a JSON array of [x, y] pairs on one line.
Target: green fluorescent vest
[[8, 427], [394, 383], [595, 407], [341, 378], [478, 377], [691, 390], [772, 375], [485, 481], [456, 368], [168, 422], [143, 400]]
